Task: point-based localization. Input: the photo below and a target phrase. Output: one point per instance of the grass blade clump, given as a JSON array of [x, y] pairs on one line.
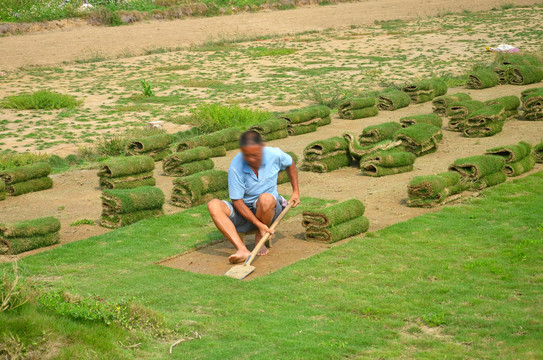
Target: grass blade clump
[[425, 90], [358, 108], [22, 236], [127, 206], [441, 103], [127, 172], [518, 157], [480, 171], [377, 133], [393, 99], [431, 190], [25, 179], [335, 222], [199, 188], [482, 78], [525, 74], [42, 99], [420, 139], [432, 119], [212, 118]]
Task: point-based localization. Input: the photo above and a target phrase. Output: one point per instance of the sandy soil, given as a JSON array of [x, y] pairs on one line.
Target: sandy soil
[[56, 46]]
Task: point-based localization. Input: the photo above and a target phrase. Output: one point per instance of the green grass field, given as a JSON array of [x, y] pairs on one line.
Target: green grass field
[[464, 282]]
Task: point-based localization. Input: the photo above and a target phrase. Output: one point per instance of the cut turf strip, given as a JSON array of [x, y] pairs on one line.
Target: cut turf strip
[[432, 119], [377, 133], [25, 173], [482, 79], [155, 146], [227, 138], [393, 99], [518, 158], [127, 206], [425, 90], [127, 172], [432, 190], [480, 171], [198, 188], [420, 139], [22, 236], [441, 103], [358, 108]]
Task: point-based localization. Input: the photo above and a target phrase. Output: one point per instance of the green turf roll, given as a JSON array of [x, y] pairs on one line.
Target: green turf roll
[[538, 152], [532, 102], [359, 113], [24, 173], [428, 186], [441, 103], [187, 156], [191, 190], [482, 79], [191, 168], [328, 163], [309, 113], [536, 115], [520, 167], [389, 158], [357, 151], [30, 228], [512, 153], [377, 133], [535, 93], [226, 138], [327, 120], [319, 148], [486, 115], [517, 59], [525, 74], [502, 71], [29, 186], [488, 181], [128, 182], [483, 131], [358, 108], [333, 214], [218, 151], [300, 129], [474, 168], [462, 109], [420, 139], [390, 100], [119, 220], [282, 177], [269, 126], [17, 245], [131, 200], [154, 143], [432, 119], [509, 103], [375, 170], [425, 90], [338, 232], [280, 134], [126, 166]]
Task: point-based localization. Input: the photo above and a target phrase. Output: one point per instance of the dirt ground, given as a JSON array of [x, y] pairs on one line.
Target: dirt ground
[[68, 44]]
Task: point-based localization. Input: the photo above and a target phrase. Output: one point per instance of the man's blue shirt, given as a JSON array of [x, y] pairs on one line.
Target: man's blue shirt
[[244, 184]]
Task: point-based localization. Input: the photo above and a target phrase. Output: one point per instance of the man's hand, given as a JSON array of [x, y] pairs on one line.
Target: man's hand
[[295, 199], [263, 229]]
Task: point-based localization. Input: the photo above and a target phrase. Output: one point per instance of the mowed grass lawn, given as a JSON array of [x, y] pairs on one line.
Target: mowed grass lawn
[[465, 282]]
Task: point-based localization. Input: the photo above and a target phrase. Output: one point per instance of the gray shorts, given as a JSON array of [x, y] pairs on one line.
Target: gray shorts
[[242, 224]]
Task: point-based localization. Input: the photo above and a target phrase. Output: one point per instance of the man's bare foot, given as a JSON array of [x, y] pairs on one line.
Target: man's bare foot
[[239, 256], [263, 251]]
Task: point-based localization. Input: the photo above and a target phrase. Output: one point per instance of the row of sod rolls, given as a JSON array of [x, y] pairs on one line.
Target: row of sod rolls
[[514, 69], [25, 179], [155, 146], [22, 236]]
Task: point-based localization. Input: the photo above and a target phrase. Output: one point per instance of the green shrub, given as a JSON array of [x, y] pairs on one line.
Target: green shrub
[[214, 117], [42, 99]]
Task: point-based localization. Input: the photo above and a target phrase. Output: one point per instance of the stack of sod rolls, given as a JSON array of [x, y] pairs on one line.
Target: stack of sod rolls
[[425, 90], [27, 235], [155, 146], [432, 119], [420, 139], [127, 173], [127, 206], [272, 129], [387, 162], [26, 179], [432, 190], [358, 151], [518, 158], [188, 162], [392, 99], [282, 177], [482, 78], [480, 171], [326, 155], [218, 142], [532, 104], [510, 104], [538, 152], [459, 112], [377, 133], [335, 222], [306, 120], [440, 104], [486, 121], [358, 108], [199, 188]]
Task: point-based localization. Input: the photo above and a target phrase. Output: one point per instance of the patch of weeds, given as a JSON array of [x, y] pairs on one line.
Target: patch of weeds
[[213, 117], [12, 159], [173, 67], [433, 320], [42, 99], [264, 51], [331, 98], [82, 222], [115, 145], [146, 88], [14, 291]]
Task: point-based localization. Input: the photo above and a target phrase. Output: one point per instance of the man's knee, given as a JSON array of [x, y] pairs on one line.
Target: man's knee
[[266, 201], [216, 207]]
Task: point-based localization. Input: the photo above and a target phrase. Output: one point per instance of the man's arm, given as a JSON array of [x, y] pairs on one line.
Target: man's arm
[[292, 172]]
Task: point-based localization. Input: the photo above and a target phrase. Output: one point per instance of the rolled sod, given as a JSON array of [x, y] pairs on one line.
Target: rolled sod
[[375, 170], [333, 214], [389, 158], [119, 220], [187, 156], [24, 173], [488, 181], [130, 200], [338, 232], [190, 168], [536, 93], [431, 190], [425, 90], [218, 151], [17, 245], [441, 103], [29, 228], [270, 126], [462, 109], [512, 153], [486, 115], [319, 148], [483, 131], [533, 115], [482, 79], [29, 186], [192, 190], [475, 168], [309, 113], [2, 190], [300, 129], [519, 59], [520, 167], [282, 177], [227, 138], [125, 166], [502, 71], [377, 133], [128, 182], [155, 143], [525, 74], [510, 102], [432, 119], [420, 139], [327, 120], [359, 113], [532, 102], [357, 151], [280, 134], [358, 108], [159, 155], [538, 152], [390, 100], [328, 163]]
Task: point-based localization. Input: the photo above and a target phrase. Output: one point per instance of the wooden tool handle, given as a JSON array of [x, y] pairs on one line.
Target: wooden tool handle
[[267, 235]]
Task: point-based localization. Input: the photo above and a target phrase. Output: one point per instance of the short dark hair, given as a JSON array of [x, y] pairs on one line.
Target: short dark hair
[[250, 137]]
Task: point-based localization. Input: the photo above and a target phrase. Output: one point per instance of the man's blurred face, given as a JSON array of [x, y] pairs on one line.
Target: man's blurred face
[[253, 155]]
